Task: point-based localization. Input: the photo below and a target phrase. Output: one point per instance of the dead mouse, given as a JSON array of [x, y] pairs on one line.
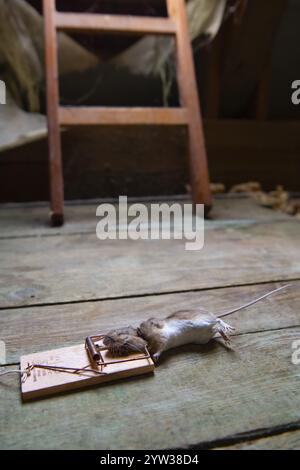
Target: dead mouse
[[183, 327]]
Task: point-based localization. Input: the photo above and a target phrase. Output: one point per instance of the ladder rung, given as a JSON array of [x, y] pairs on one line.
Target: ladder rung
[[85, 22], [78, 116]]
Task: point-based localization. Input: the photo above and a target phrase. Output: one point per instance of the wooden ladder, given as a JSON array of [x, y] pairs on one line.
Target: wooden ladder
[[188, 114]]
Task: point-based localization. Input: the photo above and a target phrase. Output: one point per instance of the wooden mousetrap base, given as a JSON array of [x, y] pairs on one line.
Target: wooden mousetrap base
[[44, 382]]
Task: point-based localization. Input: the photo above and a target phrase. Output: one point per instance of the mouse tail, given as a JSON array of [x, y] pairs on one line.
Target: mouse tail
[[229, 312]]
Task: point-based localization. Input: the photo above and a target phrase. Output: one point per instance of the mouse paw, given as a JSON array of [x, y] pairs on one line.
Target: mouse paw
[[228, 345], [156, 357], [230, 330], [227, 328]]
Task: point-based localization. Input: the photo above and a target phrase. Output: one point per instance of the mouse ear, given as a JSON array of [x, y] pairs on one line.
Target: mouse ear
[[134, 343], [138, 331], [109, 341]]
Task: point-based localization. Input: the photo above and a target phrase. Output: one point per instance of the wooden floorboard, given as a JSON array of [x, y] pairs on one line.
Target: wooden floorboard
[[284, 441], [59, 285], [50, 270], [31, 220], [34, 328], [197, 395]]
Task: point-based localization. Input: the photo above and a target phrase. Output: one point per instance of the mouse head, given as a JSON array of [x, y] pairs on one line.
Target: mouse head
[[152, 331], [123, 344]]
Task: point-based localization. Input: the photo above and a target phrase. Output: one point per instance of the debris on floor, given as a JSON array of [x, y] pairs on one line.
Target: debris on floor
[[217, 188], [279, 199], [249, 187]]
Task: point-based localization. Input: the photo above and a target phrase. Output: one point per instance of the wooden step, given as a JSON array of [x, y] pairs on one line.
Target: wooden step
[[84, 22], [78, 116]]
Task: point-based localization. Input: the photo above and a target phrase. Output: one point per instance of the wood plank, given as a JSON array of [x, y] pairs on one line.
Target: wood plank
[[224, 393], [189, 98], [52, 92], [36, 328], [126, 24], [81, 267], [285, 441], [30, 220], [234, 208], [70, 116], [77, 370]]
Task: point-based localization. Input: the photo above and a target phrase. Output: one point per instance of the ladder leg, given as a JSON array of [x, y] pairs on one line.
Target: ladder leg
[[187, 84], [54, 141]]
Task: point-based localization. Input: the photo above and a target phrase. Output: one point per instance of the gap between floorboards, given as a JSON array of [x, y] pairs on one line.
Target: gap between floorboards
[[147, 294]]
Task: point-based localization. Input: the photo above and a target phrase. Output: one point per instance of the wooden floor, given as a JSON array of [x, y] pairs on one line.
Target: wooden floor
[[59, 285]]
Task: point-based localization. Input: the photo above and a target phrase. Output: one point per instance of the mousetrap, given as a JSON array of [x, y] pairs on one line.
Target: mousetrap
[[70, 368]]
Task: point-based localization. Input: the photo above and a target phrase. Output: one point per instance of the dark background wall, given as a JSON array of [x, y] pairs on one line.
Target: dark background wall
[[286, 64]]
